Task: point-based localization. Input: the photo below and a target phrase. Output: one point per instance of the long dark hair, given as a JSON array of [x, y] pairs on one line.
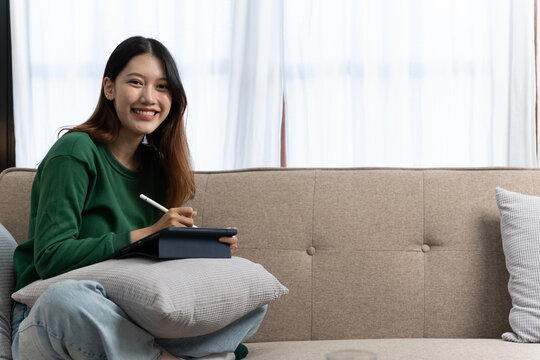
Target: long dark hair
[[169, 138]]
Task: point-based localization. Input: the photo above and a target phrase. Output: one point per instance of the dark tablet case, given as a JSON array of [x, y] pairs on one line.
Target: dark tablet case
[[180, 243]]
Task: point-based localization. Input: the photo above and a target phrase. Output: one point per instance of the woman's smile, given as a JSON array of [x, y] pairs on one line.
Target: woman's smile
[[145, 114]]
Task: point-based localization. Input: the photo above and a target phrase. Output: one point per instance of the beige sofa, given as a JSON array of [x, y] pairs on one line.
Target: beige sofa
[[406, 263]]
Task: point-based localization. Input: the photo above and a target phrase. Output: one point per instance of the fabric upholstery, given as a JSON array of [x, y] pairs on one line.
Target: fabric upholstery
[[15, 188], [398, 349], [367, 252], [520, 228], [466, 279], [7, 284], [176, 298], [357, 247]]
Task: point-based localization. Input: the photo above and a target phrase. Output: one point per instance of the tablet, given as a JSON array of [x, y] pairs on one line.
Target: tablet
[[180, 243]]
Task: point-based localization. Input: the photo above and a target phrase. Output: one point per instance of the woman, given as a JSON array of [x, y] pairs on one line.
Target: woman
[[85, 206]]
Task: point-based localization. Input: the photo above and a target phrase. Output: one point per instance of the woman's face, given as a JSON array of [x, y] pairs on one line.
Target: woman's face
[[141, 96]]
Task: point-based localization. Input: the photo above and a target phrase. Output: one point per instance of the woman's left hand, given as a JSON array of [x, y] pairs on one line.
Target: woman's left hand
[[232, 241]]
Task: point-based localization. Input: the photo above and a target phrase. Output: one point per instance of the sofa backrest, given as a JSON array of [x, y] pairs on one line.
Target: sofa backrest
[[366, 253], [15, 188]]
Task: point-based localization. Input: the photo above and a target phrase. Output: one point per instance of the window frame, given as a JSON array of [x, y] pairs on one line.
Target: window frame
[[7, 133]]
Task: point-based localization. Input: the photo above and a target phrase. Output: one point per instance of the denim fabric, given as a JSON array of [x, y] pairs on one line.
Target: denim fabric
[[75, 320], [224, 340]]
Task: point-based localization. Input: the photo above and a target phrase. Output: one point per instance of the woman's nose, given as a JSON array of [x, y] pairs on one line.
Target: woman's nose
[[147, 95]]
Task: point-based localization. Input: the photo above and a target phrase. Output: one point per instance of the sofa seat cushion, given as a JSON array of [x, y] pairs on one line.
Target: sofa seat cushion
[[398, 349]]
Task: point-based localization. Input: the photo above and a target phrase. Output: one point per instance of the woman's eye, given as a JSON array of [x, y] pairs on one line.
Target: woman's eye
[[162, 87], [135, 82]]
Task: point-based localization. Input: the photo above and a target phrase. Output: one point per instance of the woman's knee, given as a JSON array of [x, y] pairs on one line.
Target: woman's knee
[[259, 313], [262, 310], [69, 289], [68, 297], [56, 316]]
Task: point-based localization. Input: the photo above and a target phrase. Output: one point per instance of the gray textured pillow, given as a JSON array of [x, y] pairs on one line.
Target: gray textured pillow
[[176, 298], [7, 246], [520, 230]]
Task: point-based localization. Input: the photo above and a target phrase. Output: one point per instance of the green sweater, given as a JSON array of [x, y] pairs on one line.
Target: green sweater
[[84, 204]]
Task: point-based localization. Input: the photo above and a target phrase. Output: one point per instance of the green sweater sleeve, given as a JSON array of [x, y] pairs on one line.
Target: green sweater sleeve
[[64, 185]]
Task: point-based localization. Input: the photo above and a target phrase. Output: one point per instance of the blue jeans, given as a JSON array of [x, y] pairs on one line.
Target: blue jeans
[[75, 320]]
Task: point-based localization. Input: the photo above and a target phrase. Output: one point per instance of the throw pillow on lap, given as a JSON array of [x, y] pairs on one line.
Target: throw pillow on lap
[[520, 230], [176, 298], [7, 247]]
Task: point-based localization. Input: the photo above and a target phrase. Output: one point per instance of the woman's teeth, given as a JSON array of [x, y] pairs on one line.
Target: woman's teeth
[[150, 113]]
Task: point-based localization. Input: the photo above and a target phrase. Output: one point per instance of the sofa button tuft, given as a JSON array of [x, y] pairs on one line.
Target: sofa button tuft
[[311, 250], [426, 248]]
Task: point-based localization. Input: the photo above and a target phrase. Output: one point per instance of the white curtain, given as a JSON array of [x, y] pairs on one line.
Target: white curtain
[[417, 83], [414, 83], [255, 94], [227, 53]]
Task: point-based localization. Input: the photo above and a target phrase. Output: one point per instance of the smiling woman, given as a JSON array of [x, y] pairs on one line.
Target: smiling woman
[[140, 76], [85, 206], [142, 102]]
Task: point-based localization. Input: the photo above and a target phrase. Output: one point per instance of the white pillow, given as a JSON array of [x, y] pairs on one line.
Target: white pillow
[[176, 298], [7, 247], [520, 230]]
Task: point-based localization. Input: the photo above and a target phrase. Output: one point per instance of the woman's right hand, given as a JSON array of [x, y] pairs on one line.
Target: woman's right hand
[[175, 217]]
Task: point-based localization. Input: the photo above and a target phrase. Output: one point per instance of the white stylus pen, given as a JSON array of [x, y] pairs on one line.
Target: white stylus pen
[[156, 205]]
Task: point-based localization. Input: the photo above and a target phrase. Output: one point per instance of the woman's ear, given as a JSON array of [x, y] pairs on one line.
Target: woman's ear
[[108, 88]]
